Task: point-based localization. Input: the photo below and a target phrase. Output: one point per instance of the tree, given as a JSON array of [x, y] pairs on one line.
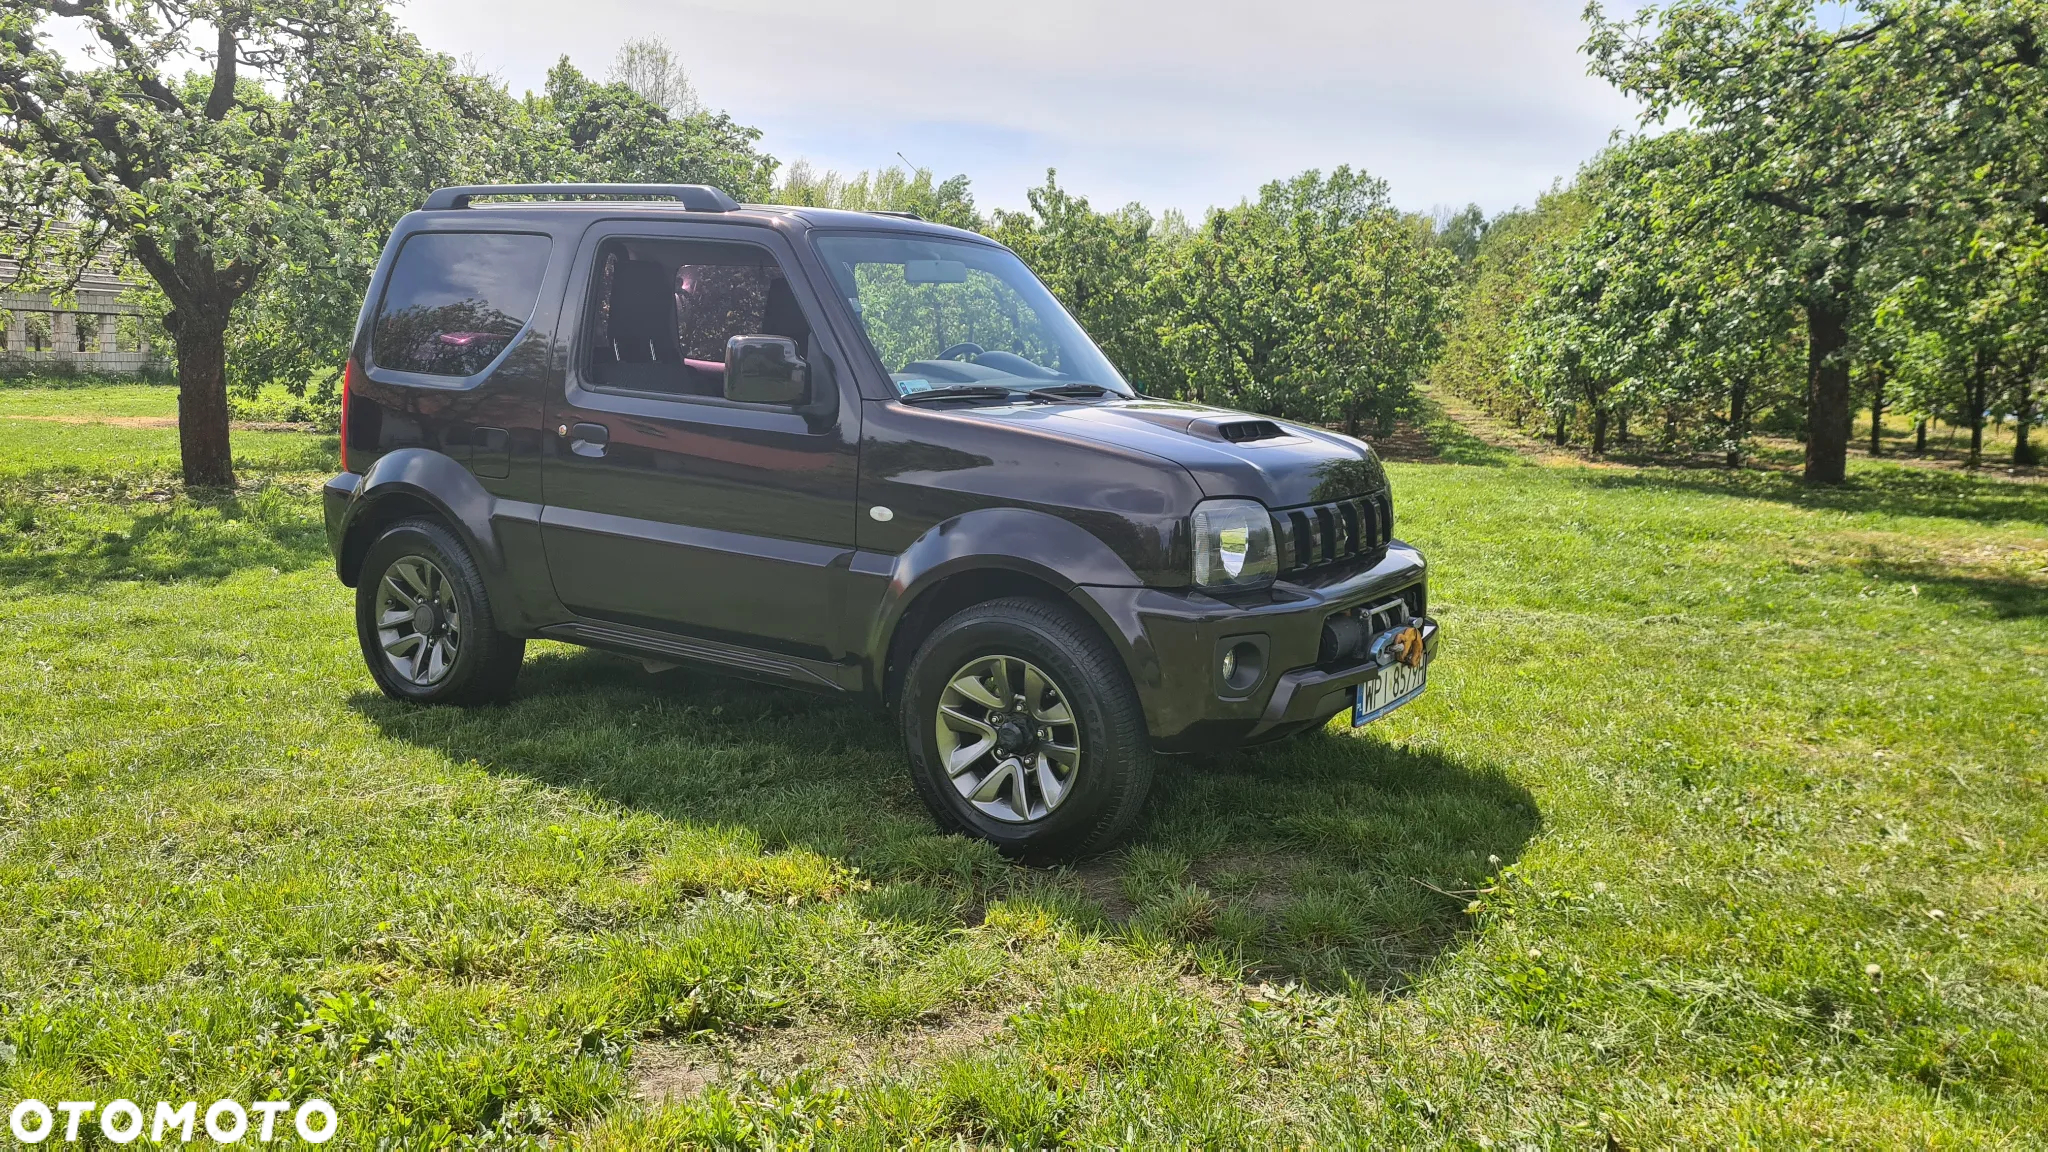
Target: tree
[[584, 131], [891, 189], [1824, 142], [208, 180], [650, 68], [1480, 346], [1978, 318], [1318, 301], [1100, 266]]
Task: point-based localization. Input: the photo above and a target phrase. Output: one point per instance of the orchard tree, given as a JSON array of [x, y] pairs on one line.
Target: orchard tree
[[1480, 346], [586, 131], [1100, 266], [1831, 139], [949, 201], [206, 179], [1318, 301], [649, 67]]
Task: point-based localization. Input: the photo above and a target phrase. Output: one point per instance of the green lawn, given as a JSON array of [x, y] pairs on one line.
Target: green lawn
[[1723, 822]]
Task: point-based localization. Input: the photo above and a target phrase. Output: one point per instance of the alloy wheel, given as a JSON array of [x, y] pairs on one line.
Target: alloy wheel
[[419, 621], [1009, 738]]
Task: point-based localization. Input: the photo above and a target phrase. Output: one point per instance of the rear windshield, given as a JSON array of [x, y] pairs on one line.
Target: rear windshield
[[455, 300]]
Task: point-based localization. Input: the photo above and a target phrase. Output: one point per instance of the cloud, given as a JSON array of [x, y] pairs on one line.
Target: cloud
[[1182, 104]]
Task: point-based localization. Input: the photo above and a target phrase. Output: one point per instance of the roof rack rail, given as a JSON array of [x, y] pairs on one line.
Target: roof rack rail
[[900, 215], [694, 197]]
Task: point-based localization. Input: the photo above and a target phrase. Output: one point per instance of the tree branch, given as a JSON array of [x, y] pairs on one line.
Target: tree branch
[[222, 98]]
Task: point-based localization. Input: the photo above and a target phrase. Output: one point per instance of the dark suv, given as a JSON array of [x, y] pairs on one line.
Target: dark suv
[[854, 453]]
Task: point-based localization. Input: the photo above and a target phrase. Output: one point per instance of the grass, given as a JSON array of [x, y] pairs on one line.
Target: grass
[[1721, 824]]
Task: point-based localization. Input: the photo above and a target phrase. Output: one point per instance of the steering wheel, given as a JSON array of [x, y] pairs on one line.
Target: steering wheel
[[953, 352]]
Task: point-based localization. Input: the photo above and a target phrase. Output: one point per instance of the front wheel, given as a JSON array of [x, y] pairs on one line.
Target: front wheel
[[1024, 730], [425, 623]]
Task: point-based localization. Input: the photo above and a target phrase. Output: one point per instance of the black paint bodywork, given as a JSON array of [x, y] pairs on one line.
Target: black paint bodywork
[[741, 536]]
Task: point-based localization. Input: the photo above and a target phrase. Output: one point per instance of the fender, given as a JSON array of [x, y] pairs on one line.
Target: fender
[[477, 517], [1028, 543]]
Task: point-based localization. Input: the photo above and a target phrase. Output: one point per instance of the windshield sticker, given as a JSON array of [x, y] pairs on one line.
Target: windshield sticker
[[906, 387]]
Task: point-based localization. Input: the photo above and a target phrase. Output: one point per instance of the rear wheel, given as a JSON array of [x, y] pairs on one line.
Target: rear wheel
[[1023, 729], [425, 623]]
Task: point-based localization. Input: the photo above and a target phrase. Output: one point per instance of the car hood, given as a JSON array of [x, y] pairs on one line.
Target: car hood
[[1229, 453]]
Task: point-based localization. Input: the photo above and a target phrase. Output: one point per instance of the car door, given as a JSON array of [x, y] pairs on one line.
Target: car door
[[668, 507]]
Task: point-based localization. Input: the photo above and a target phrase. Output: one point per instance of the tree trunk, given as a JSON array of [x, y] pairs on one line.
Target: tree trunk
[[1600, 431], [1621, 427], [203, 403], [1920, 437], [1827, 394], [1738, 396], [2022, 451], [1877, 417], [1351, 419], [1978, 393], [1560, 429]]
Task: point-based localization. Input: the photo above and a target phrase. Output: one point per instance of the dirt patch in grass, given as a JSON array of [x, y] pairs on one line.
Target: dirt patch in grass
[[678, 1071]]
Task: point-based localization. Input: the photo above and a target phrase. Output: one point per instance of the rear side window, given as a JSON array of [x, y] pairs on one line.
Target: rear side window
[[455, 300]]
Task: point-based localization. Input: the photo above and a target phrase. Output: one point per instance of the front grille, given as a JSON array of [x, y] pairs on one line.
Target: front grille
[[1320, 535]]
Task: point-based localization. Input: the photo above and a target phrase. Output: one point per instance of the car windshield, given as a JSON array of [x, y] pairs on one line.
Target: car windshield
[[943, 314]]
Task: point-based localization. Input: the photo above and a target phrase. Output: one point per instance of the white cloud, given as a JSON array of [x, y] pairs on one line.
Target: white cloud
[[1181, 104]]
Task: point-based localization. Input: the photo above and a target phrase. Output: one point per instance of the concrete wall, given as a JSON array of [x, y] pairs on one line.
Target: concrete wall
[[103, 353]]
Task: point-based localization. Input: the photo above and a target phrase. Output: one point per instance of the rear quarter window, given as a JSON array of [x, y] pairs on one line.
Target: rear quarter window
[[455, 300]]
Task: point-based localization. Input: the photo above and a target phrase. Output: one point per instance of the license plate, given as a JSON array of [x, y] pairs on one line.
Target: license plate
[[1395, 685]]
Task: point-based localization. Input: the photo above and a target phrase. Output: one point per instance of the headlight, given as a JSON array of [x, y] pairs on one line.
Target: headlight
[[1234, 545]]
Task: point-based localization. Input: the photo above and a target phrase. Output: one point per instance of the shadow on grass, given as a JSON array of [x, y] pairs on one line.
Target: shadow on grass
[[2004, 597], [134, 532], [1887, 491], [1336, 860]]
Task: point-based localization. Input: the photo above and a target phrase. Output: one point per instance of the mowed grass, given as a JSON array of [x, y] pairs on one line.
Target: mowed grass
[[1722, 822]]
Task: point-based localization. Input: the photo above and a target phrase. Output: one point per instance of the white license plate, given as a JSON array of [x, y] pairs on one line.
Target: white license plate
[[1395, 685]]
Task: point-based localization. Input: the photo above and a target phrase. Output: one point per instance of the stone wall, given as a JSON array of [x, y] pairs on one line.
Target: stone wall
[[104, 350]]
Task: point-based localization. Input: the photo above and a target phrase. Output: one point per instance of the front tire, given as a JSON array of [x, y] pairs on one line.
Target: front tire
[[1024, 730], [425, 623]]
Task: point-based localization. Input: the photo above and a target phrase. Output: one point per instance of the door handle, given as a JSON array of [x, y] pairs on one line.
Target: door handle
[[587, 439]]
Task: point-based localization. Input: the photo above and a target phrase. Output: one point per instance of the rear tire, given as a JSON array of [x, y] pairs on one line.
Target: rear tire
[[1024, 730], [425, 622]]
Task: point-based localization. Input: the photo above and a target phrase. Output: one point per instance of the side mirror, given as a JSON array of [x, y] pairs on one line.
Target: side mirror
[[765, 370]]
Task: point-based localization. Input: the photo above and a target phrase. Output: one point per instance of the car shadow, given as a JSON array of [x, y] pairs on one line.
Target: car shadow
[[1337, 860]]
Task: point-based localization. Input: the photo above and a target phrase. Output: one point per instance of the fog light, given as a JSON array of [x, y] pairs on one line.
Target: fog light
[[1242, 664]]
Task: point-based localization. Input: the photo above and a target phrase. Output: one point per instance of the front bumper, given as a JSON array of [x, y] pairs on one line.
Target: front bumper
[[1174, 641]]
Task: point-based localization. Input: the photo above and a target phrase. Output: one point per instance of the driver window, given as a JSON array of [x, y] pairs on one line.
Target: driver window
[[663, 310]]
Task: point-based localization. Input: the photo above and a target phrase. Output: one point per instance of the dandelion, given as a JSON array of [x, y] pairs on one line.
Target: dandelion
[[1535, 953], [1599, 886], [1936, 914], [1872, 971], [1493, 860]]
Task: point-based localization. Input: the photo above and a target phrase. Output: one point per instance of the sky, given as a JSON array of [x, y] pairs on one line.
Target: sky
[[1172, 103]]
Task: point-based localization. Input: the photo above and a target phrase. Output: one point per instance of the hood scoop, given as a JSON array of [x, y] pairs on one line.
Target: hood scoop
[[1239, 430]]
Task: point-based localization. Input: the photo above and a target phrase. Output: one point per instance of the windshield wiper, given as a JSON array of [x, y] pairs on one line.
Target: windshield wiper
[[960, 392], [1070, 391]]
